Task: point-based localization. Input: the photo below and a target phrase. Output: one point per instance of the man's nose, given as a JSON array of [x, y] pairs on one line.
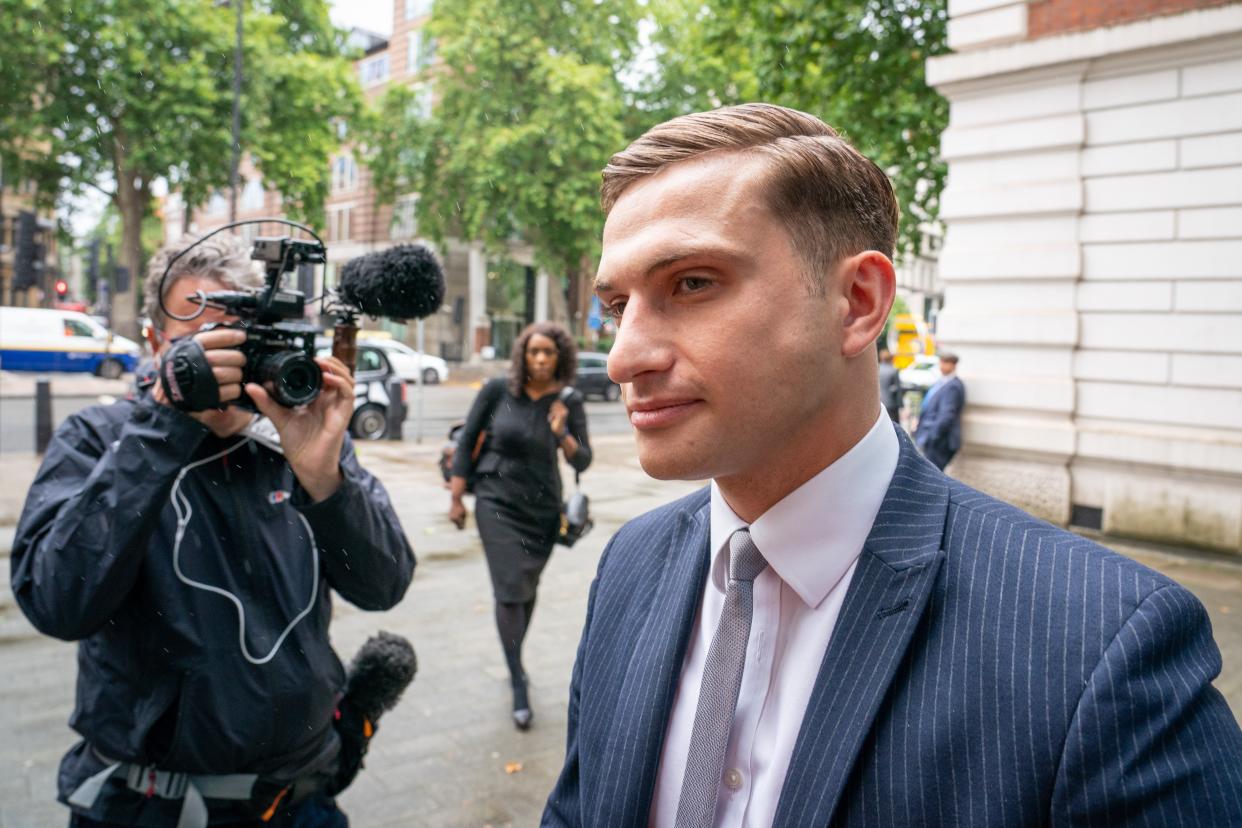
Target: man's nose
[[643, 344]]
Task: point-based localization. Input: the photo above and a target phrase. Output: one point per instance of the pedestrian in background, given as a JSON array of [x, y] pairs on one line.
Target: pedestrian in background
[[939, 432], [524, 420], [890, 386]]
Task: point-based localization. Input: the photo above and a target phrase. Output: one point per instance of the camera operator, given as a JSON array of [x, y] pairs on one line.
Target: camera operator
[[193, 563]]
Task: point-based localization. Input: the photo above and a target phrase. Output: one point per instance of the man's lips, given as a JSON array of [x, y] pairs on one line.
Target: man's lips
[[645, 414]]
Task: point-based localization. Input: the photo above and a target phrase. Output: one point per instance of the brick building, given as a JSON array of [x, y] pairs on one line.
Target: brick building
[[355, 223], [1093, 259]]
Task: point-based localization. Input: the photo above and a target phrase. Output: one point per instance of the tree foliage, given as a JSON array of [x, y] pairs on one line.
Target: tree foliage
[[115, 94], [529, 108], [858, 64]]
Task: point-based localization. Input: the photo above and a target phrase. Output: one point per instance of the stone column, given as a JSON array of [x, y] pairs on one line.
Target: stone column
[[478, 326], [1010, 265], [541, 296]]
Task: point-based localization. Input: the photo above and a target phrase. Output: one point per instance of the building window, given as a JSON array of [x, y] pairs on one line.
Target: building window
[[338, 223], [374, 71], [405, 218], [421, 52], [217, 205], [344, 173], [415, 9], [252, 195]]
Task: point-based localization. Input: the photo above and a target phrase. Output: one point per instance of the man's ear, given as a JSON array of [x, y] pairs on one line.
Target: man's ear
[[869, 285]]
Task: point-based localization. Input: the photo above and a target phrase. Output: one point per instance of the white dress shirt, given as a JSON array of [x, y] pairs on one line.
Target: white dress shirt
[[811, 540]]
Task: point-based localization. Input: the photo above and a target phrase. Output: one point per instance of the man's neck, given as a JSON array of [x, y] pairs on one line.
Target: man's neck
[[804, 453]]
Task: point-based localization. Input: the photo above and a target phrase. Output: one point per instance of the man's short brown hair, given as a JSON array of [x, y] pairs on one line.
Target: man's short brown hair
[[834, 201]]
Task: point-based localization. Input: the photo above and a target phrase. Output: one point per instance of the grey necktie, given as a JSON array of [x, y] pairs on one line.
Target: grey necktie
[[722, 678]]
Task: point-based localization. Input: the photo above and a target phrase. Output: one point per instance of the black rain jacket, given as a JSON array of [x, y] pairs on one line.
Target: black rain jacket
[[161, 675]]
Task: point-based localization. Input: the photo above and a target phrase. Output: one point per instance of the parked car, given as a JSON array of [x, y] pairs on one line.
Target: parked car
[[371, 375], [592, 378], [921, 374], [37, 339], [407, 362]]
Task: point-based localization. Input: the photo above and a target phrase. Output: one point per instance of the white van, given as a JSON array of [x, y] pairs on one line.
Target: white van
[[35, 339]]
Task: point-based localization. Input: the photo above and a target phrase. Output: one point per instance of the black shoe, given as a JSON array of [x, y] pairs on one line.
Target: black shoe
[[521, 705]]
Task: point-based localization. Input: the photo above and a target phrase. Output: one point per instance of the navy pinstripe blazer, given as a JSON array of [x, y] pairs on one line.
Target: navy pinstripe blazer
[[986, 669]]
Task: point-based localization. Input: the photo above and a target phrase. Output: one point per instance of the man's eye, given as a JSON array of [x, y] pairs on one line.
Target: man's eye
[[613, 310], [693, 284]]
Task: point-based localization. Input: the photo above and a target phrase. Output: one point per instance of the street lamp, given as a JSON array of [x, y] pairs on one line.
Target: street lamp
[[235, 166]]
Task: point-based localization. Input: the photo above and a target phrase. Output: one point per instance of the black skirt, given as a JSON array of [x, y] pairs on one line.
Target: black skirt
[[516, 541]]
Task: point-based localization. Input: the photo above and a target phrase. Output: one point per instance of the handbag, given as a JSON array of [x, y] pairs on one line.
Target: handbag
[[449, 450], [576, 518]]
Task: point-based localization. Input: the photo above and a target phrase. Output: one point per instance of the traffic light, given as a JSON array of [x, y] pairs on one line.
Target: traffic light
[[27, 258], [62, 288], [92, 266]]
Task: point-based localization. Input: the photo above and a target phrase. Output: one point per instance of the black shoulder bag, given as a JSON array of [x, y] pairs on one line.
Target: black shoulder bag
[[576, 510]]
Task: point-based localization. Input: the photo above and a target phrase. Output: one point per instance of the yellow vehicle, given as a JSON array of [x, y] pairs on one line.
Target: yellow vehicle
[[908, 337]]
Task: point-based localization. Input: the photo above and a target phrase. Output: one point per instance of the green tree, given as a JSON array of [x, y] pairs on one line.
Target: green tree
[[858, 64], [693, 66], [529, 110], [116, 94]]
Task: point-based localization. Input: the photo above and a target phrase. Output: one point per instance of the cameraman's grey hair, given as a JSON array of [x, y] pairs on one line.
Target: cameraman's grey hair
[[223, 257]]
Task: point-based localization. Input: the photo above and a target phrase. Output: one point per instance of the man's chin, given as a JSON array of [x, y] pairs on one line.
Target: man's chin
[[663, 463]]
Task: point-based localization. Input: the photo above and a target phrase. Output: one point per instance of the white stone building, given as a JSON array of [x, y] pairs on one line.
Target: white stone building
[[1093, 260]]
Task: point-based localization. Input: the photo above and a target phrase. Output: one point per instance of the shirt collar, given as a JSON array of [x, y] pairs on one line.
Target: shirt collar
[[812, 536]]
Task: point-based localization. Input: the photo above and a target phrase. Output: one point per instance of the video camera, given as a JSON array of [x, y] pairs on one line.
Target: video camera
[[280, 354], [402, 282]]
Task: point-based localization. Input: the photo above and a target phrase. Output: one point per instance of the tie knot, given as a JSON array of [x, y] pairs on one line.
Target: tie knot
[[745, 559]]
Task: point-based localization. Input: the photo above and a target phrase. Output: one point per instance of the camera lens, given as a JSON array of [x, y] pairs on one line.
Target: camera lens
[[291, 377]]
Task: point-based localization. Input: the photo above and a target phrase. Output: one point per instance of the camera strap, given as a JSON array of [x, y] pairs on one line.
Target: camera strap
[[187, 378]]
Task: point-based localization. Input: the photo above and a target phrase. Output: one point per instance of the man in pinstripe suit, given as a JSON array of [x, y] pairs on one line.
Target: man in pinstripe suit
[[834, 632]]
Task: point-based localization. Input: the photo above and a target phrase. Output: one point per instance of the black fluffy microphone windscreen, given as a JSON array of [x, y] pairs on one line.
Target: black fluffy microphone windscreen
[[402, 282], [379, 674]]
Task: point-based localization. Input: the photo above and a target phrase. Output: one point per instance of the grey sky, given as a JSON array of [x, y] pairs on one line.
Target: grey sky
[[373, 15]]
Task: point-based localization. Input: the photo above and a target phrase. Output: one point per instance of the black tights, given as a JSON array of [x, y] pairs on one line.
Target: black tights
[[512, 622]]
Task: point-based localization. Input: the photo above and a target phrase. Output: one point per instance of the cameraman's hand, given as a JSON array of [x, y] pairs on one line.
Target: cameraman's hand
[[312, 435], [220, 348]]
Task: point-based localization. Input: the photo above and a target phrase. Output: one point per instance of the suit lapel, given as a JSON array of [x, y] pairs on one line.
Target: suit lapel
[[886, 599], [646, 699]]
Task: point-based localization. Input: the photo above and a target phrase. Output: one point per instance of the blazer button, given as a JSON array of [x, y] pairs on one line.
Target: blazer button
[[733, 779]]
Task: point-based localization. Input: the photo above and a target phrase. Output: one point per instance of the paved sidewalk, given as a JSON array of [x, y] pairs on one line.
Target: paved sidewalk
[[448, 755]]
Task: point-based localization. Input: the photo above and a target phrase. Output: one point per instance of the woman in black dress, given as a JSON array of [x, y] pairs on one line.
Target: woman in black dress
[[517, 485]]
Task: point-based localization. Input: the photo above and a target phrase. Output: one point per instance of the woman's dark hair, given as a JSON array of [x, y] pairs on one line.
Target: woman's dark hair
[[566, 355]]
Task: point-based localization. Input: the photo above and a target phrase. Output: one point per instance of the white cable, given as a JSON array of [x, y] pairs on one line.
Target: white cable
[[180, 503]]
